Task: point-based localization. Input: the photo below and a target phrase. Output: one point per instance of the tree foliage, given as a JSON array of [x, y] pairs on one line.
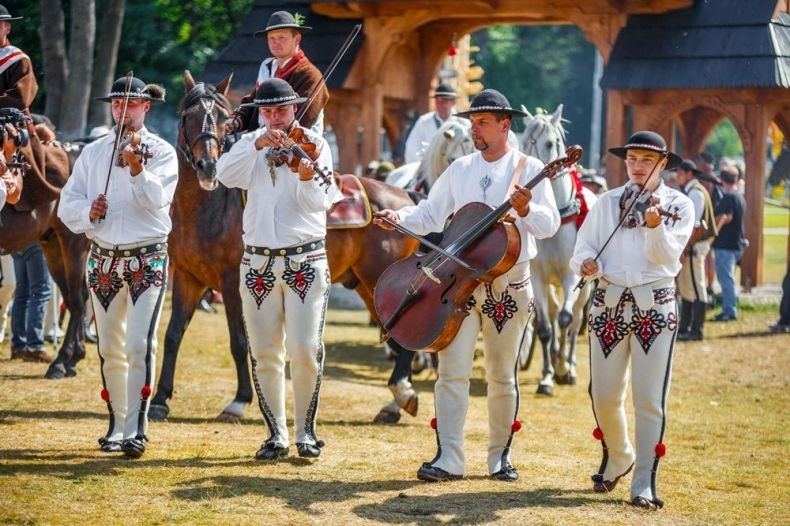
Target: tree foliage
[[541, 66]]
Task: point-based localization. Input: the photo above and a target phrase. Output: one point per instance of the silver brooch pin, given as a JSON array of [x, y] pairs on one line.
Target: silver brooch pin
[[485, 183]]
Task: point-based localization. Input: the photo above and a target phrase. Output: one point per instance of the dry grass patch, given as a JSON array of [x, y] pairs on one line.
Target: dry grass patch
[[727, 445]]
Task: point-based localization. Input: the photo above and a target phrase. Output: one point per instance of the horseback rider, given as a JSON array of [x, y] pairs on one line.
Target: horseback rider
[[429, 123], [633, 312], [500, 309], [127, 218], [284, 271], [284, 36], [18, 86]]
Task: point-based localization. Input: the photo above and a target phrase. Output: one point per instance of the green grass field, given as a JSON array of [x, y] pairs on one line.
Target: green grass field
[[727, 441], [775, 252]]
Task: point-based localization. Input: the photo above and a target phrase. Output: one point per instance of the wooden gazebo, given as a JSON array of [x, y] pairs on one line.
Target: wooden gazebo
[[392, 69]]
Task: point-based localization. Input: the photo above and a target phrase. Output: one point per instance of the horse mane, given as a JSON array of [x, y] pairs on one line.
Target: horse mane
[[202, 90], [446, 139]]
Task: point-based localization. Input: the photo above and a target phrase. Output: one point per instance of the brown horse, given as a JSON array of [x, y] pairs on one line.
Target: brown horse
[[206, 245], [34, 219]]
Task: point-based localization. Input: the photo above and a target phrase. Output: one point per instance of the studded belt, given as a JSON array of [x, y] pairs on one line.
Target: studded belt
[[129, 252], [290, 251]]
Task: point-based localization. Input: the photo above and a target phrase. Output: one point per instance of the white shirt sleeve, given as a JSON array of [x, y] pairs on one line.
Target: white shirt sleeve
[[421, 132], [235, 168], [430, 215], [74, 206], [312, 195], [154, 187], [664, 246], [543, 219], [588, 238]]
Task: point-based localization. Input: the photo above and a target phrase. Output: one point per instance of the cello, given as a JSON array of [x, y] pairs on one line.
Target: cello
[[422, 300]]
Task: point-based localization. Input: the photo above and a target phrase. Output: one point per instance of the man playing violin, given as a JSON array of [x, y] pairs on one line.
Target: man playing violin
[[283, 34], [284, 271], [633, 317], [126, 214], [501, 309]]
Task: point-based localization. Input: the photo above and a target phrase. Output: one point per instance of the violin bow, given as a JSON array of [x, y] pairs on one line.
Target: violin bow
[[118, 134], [329, 70], [639, 194]]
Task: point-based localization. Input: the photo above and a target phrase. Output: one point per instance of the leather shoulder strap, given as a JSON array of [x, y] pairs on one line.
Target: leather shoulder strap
[[517, 173]]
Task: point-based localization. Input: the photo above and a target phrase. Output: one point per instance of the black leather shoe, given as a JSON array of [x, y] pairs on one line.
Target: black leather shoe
[[110, 446], [690, 336], [306, 450], [269, 451], [134, 447], [605, 486], [646, 504], [508, 474], [430, 473]]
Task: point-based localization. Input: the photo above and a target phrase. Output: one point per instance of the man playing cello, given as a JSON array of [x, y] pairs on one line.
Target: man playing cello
[[500, 309]]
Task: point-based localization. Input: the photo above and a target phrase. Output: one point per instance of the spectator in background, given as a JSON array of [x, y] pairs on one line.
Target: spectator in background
[[429, 123], [670, 178], [593, 182], [730, 243], [783, 325], [32, 293], [383, 170]]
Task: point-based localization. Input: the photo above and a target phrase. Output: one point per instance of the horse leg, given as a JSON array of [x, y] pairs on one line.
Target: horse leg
[[544, 330], [186, 294], [239, 349], [404, 395], [569, 319], [74, 256]]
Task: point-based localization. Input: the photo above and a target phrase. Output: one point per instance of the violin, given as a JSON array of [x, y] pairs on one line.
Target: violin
[[297, 147], [131, 137], [635, 212], [422, 300]]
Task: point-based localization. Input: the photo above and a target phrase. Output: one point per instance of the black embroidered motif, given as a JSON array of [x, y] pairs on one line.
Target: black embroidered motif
[[610, 328], [260, 284], [105, 285], [598, 299], [646, 326], [144, 276], [499, 311], [672, 321], [470, 304], [300, 280], [664, 295]]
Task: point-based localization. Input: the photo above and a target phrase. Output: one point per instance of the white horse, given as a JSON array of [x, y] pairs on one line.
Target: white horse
[[451, 141], [544, 138]]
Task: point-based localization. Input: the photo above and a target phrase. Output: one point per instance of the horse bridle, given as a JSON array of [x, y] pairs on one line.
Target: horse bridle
[[208, 130], [534, 142]]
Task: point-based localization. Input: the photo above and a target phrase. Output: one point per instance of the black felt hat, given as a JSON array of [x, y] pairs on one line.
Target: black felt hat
[[6, 16], [274, 92], [445, 91], [137, 90], [651, 141], [689, 166], [282, 20], [490, 101]]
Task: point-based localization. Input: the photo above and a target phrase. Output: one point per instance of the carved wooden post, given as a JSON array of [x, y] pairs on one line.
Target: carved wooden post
[[754, 154]]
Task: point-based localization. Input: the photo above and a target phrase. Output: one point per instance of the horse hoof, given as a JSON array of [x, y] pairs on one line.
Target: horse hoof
[[56, 371], [158, 412], [229, 418], [71, 371], [571, 380], [387, 417], [545, 390], [411, 405]]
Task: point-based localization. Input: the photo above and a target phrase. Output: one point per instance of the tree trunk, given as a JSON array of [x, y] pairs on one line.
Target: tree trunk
[[52, 33], [74, 111], [106, 61]]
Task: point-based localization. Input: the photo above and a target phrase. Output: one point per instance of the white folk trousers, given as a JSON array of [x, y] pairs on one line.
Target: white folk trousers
[[625, 336], [502, 315], [127, 294], [284, 307]]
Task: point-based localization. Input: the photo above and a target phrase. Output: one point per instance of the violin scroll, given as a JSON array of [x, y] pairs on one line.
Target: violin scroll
[[573, 155]]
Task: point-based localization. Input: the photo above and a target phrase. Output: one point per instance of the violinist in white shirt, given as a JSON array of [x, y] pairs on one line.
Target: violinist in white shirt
[[121, 201], [284, 271], [633, 318]]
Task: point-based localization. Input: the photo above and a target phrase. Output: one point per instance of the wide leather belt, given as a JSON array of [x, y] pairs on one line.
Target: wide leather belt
[[129, 252], [290, 251]]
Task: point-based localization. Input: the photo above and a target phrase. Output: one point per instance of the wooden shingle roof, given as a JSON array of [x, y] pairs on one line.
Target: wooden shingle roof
[[245, 53], [714, 44]]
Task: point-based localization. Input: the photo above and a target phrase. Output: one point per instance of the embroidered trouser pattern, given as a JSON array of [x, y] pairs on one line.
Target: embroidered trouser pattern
[[623, 337], [284, 307], [127, 294], [502, 316]]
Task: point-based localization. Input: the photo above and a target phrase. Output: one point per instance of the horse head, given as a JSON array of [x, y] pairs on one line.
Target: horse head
[[451, 141], [203, 111]]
